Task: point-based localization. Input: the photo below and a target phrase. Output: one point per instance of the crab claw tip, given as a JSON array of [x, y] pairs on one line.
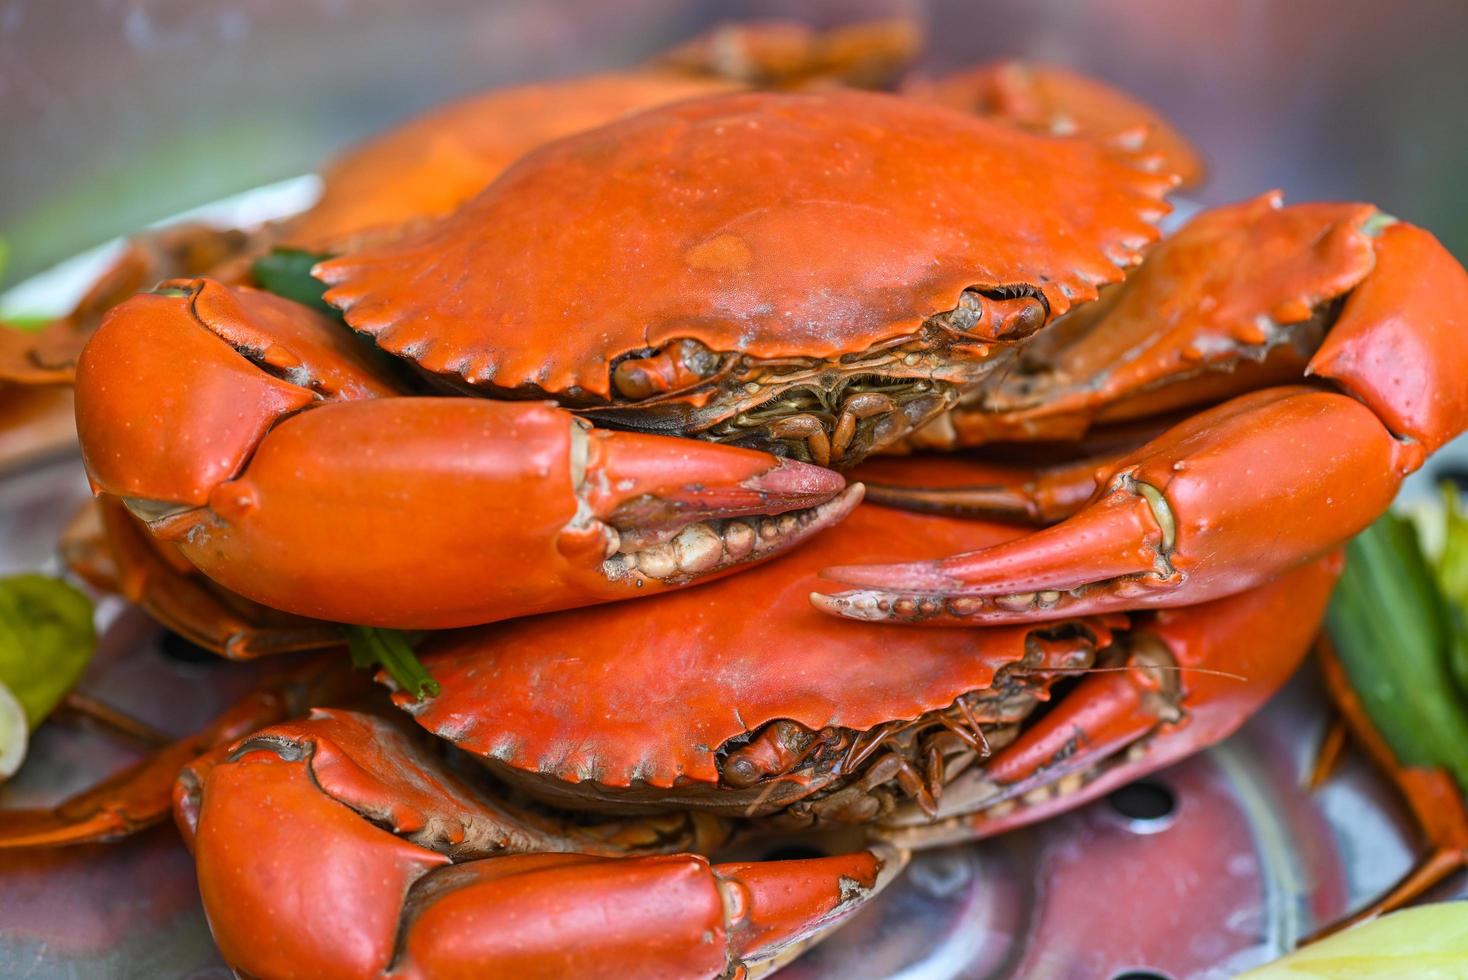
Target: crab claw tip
[[651, 480], [798, 482]]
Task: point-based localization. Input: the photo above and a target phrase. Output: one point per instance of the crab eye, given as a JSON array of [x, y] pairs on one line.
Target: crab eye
[[775, 749], [636, 379], [997, 315], [1014, 317], [676, 365]]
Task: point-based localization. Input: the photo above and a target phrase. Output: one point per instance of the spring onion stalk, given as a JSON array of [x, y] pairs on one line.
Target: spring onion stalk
[[393, 651], [1401, 640], [287, 272]]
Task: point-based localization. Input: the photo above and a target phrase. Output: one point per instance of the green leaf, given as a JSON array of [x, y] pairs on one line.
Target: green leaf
[[287, 272], [1452, 576], [1452, 564], [26, 324], [391, 650], [46, 641], [1397, 636], [1429, 942]]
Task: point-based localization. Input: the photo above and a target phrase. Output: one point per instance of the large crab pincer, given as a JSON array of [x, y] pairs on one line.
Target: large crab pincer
[[1361, 314], [633, 362], [667, 742], [419, 875], [291, 464], [412, 512]]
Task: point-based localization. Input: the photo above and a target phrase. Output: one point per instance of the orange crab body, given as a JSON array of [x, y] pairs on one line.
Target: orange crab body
[[630, 360], [669, 740], [695, 317]]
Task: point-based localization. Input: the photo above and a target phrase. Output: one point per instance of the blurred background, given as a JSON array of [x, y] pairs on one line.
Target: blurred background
[[120, 112]]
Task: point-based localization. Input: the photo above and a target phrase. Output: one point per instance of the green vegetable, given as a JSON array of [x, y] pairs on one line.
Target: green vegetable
[[14, 734], [287, 272], [1429, 942], [46, 641], [1452, 564], [1452, 576], [390, 649], [1400, 641], [25, 324]]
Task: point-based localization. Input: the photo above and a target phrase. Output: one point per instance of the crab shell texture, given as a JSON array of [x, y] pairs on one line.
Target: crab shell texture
[[1248, 287], [634, 706], [793, 240]]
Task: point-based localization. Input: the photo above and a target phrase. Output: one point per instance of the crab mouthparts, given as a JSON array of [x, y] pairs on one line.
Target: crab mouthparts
[[703, 547]]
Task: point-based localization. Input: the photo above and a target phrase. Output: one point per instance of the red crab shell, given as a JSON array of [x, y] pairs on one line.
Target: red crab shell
[[776, 225], [1194, 305], [645, 693]]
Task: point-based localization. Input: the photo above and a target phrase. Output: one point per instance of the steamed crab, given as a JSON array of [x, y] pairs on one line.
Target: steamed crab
[[420, 171], [634, 363]]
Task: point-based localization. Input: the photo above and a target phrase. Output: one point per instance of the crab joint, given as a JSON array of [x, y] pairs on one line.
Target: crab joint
[[1013, 318], [1000, 314], [1162, 512], [677, 365], [777, 749]]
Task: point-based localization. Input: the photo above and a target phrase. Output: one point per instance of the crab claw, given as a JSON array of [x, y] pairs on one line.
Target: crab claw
[[1224, 501], [1237, 495], [382, 862], [670, 915], [139, 796], [271, 448], [1187, 679], [673, 510]]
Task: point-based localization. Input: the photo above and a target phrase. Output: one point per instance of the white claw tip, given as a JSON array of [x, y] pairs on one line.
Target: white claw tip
[[852, 605]]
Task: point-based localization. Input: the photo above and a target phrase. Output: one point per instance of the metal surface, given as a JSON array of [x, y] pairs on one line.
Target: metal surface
[[1233, 874], [121, 112]]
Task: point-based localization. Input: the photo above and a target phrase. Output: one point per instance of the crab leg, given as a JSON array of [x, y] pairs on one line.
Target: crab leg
[[1240, 493], [112, 551], [35, 422], [1190, 677], [37, 367], [1237, 300], [1040, 496], [395, 867], [48, 356], [788, 54], [282, 463], [139, 796]]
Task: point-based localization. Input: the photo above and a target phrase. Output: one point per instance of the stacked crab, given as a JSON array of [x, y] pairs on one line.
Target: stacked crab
[[565, 351]]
